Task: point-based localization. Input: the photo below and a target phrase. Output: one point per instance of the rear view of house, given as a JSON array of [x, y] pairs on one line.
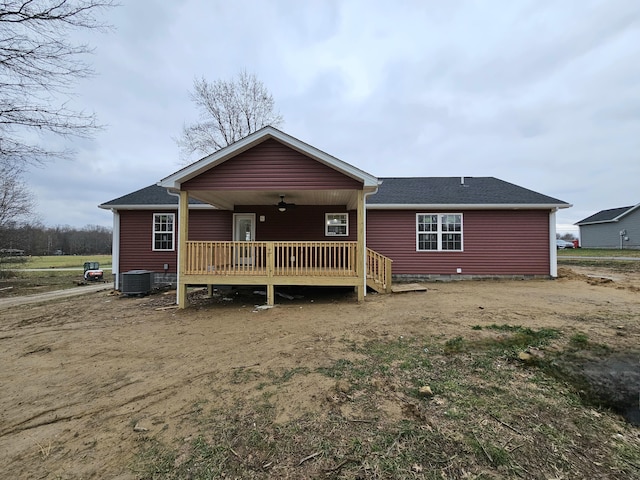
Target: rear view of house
[[271, 210], [612, 228]]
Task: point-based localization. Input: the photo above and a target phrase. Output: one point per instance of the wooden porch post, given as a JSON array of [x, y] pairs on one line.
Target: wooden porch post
[[270, 267], [360, 250], [183, 236], [387, 275]]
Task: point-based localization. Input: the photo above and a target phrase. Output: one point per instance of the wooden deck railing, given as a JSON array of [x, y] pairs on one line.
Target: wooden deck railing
[[330, 259], [378, 271]]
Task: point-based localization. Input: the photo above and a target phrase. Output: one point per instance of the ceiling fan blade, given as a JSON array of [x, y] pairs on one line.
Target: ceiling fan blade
[[282, 205]]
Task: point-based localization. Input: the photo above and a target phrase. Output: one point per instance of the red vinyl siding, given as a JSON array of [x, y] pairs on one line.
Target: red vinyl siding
[[495, 243], [210, 225], [136, 237], [136, 233], [271, 166], [301, 223]]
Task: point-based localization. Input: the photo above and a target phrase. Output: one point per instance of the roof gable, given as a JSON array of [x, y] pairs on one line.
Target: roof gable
[[197, 168], [609, 215], [271, 165]]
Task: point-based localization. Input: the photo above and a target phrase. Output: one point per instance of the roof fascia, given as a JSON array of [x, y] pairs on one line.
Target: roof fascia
[[470, 206], [174, 180], [612, 220], [156, 207]]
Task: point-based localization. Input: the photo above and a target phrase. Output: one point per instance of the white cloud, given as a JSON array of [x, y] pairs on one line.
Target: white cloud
[[543, 94]]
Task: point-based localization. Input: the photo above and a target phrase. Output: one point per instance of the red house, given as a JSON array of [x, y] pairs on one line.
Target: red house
[[272, 210]]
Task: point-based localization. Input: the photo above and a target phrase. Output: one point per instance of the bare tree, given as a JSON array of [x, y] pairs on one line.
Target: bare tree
[[39, 64], [229, 110], [17, 203]]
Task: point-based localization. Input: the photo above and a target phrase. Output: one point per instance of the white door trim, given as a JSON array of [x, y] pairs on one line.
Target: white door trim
[[244, 255], [239, 216]]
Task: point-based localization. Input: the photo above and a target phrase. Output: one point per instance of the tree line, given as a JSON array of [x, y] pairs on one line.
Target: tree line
[[36, 239], [41, 61]]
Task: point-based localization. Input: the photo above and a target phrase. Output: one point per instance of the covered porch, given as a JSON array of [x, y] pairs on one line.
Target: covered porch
[[279, 263], [294, 216]]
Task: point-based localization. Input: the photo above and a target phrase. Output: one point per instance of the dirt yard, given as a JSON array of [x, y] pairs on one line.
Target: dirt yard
[[84, 379]]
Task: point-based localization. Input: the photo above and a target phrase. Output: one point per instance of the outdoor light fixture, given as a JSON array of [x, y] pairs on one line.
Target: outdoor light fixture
[[282, 205]]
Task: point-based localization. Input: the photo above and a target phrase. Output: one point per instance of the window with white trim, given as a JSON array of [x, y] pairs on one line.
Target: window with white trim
[[336, 224], [163, 231], [438, 232]]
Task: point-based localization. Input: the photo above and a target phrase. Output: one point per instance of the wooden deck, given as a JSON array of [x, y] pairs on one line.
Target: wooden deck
[[272, 259], [282, 263]]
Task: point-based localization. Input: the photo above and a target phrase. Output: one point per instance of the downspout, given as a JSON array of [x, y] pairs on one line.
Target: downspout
[[364, 212], [553, 250], [115, 250]]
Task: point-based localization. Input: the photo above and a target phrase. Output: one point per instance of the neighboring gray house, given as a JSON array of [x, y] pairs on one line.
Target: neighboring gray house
[[613, 228]]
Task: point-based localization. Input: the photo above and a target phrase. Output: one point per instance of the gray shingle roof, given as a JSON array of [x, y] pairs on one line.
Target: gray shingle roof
[[605, 215], [393, 191], [450, 190], [151, 195]]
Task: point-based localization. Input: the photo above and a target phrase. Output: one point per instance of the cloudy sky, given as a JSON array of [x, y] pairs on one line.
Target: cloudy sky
[[543, 94]]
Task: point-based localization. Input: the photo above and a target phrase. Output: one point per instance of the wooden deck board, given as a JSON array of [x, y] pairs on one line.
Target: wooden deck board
[[408, 287]]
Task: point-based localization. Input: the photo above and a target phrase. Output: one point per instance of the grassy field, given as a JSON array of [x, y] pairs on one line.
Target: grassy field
[[597, 252], [591, 257], [15, 280], [55, 261]]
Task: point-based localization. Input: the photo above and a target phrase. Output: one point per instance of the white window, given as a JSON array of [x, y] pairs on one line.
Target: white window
[[336, 224], [438, 232], [163, 231]]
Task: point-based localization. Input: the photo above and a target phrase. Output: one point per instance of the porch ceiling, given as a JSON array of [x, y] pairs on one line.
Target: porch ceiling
[[227, 199]]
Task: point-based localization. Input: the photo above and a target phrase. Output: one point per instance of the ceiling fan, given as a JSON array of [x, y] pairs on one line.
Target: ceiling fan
[[282, 205]]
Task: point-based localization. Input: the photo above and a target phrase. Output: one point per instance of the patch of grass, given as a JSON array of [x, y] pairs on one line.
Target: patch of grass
[[240, 376], [289, 374], [627, 455], [619, 266], [12, 261], [522, 337], [339, 369], [515, 338], [343, 369], [7, 274], [53, 277], [64, 261], [579, 340], [487, 418], [26, 283], [455, 345], [496, 455], [598, 252], [154, 459], [483, 362]]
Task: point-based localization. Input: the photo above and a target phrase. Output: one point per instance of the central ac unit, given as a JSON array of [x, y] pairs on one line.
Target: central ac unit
[[136, 282]]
